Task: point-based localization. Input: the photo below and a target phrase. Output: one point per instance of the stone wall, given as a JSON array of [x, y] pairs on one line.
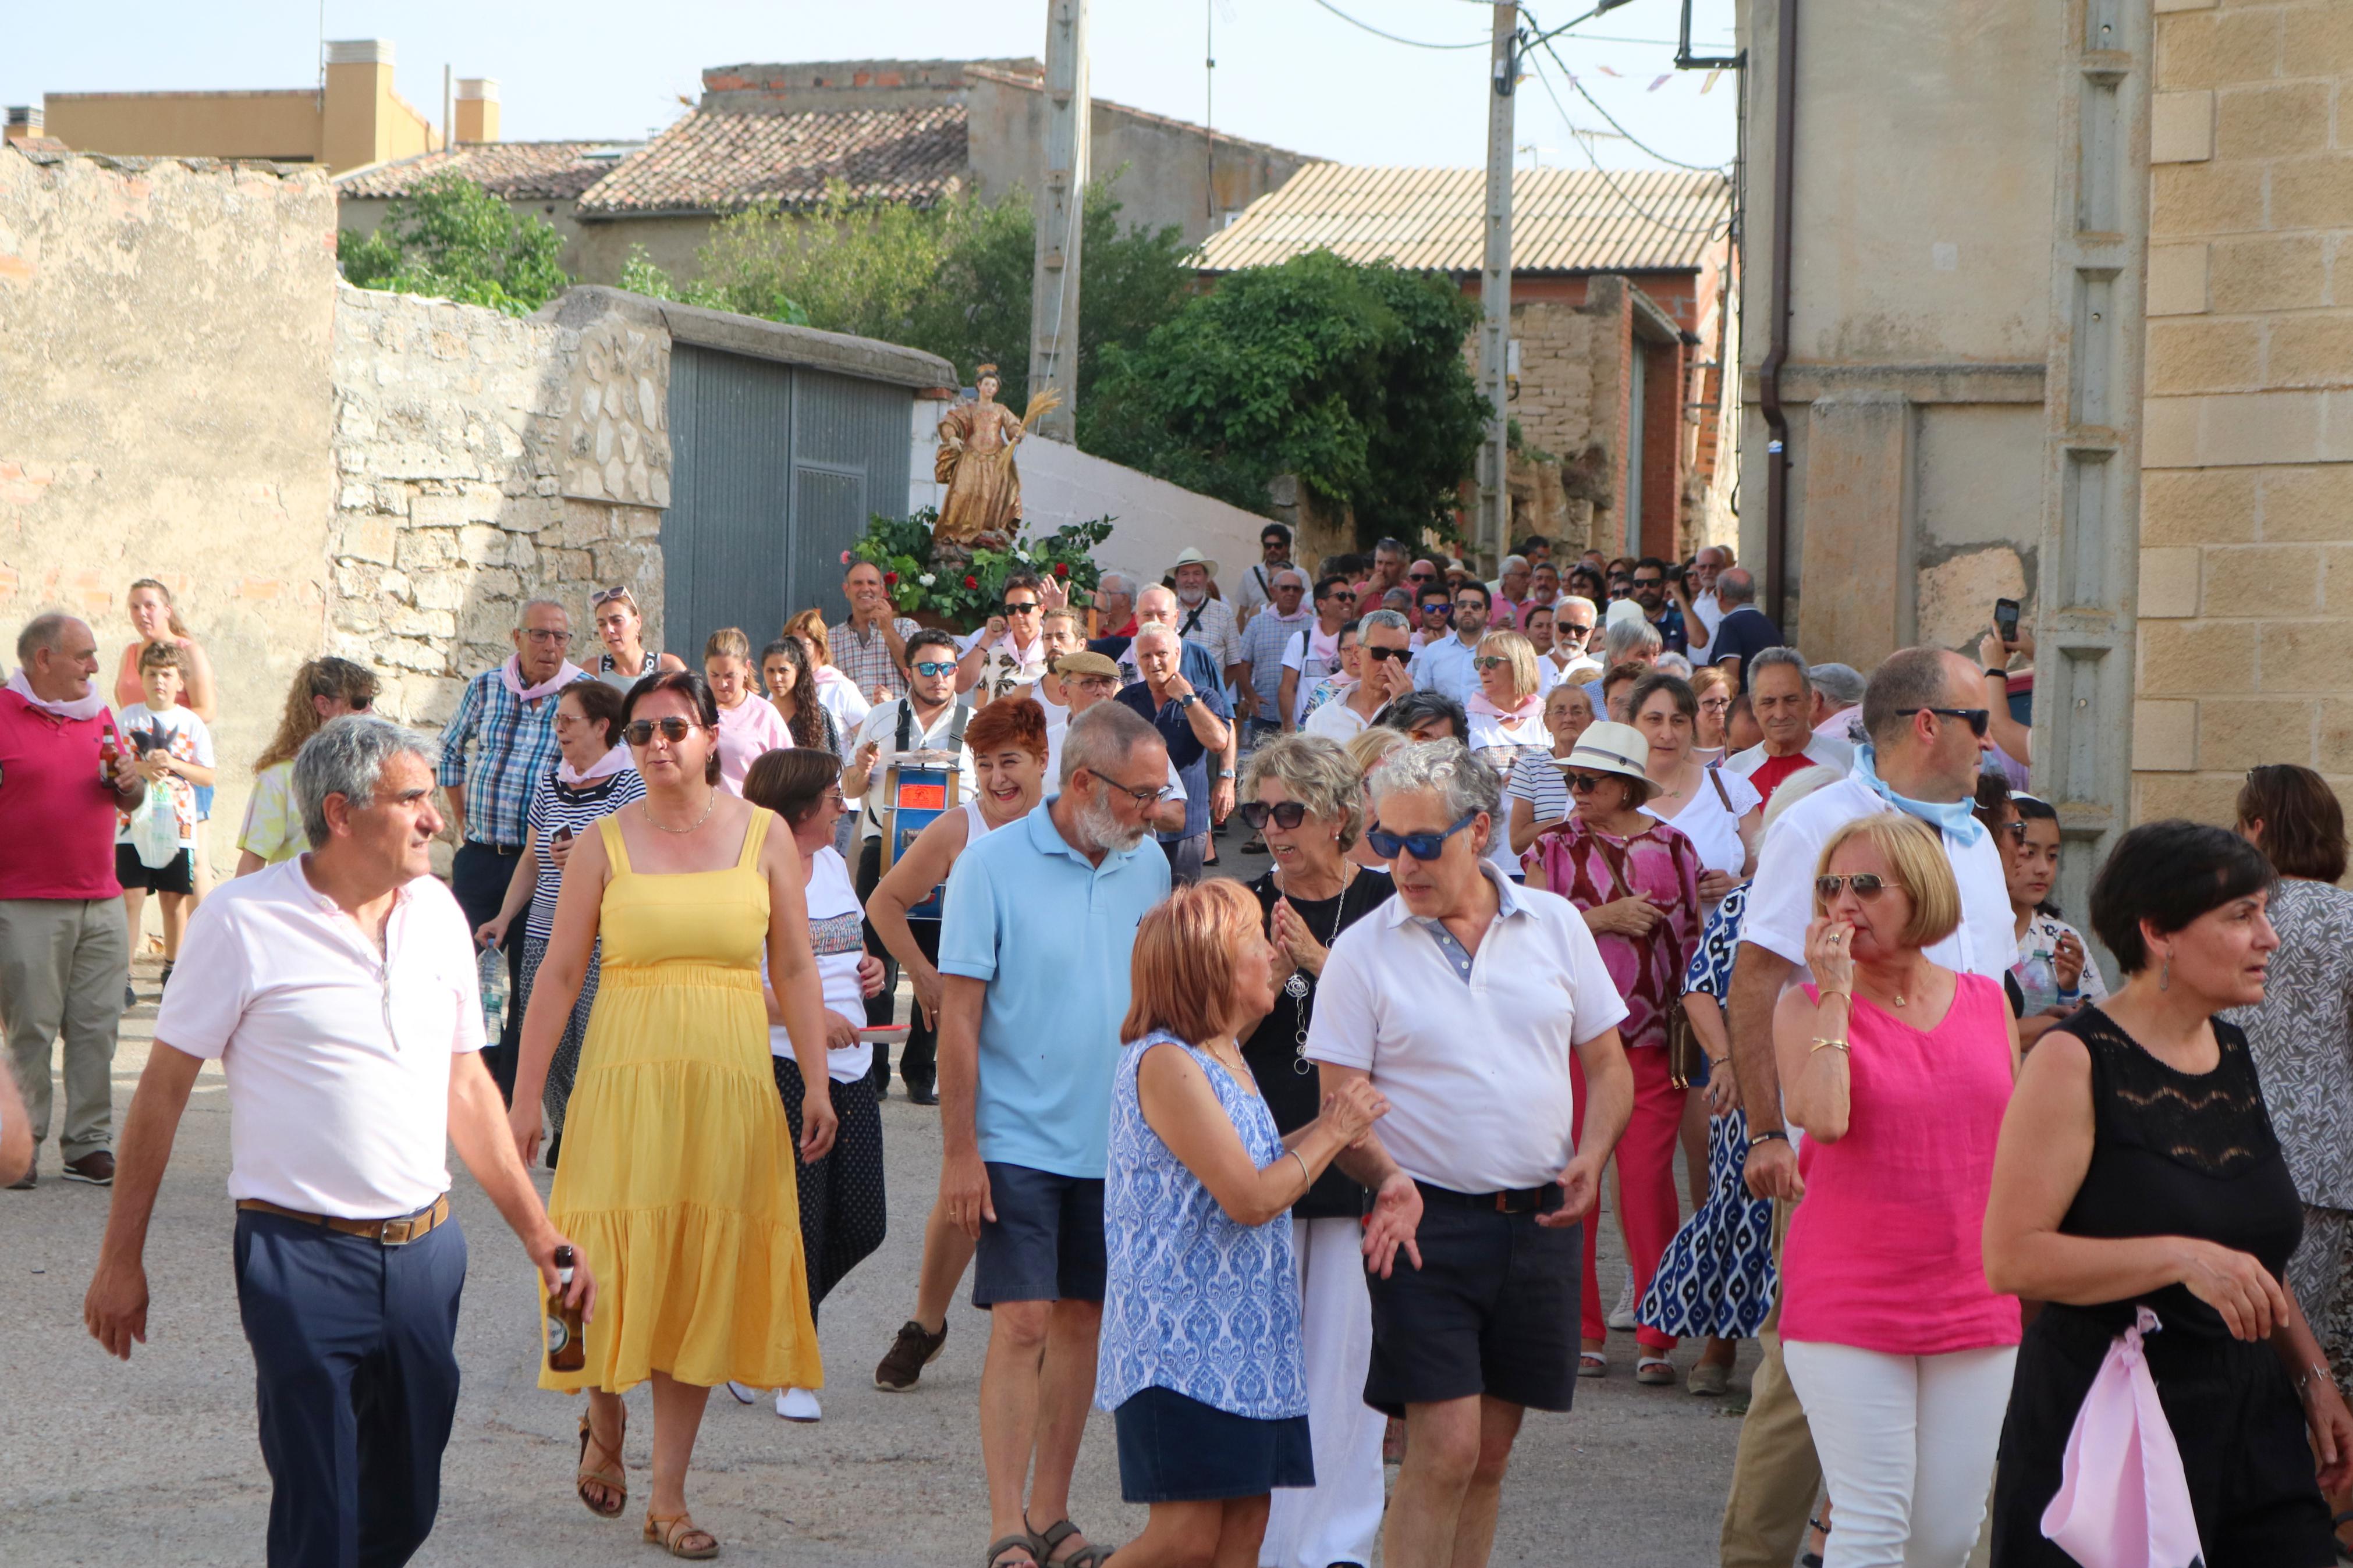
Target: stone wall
[[2246, 510], [482, 461], [164, 344]]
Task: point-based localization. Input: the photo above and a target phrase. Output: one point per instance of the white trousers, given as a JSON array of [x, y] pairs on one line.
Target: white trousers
[[1907, 1447], [1339, 1517]]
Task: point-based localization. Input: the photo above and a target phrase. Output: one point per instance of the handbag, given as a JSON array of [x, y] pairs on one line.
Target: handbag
[[2123, 1500], [1686, 1059]]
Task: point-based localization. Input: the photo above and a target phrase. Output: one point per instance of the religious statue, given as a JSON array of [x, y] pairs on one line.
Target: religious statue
[[983, 508]]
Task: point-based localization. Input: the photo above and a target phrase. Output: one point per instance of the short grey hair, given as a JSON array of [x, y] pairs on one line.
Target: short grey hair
[[1449, 769], [1624, 638], [47, 629], [1734, 586], [347, 757], [522, 612], [1566, 600], [1317, 773], [1780, 658], [1841, 683], [1673, 664], [1103, 737], [1393, 619], [1512, 563], [1116, 583], [1158, 629], [1283, 571]]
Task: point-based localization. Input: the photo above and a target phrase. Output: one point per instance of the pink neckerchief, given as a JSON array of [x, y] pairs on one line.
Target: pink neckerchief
[[81, 708], [511, 672], [1531, 708], [603, 767]]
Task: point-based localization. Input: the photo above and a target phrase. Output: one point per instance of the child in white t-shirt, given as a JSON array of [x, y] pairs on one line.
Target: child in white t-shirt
[[169, 746]]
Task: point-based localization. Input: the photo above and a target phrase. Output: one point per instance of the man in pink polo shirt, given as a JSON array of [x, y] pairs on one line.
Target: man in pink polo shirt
[[64, 954]]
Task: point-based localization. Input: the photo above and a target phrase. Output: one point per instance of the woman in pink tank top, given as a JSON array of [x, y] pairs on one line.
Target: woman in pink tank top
[[1897, 1070]]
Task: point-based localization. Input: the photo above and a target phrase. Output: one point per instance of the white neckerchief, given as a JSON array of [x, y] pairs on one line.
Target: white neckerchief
[[81, 708]]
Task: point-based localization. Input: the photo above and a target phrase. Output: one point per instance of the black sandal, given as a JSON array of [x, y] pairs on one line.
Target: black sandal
[[1042, 1544]]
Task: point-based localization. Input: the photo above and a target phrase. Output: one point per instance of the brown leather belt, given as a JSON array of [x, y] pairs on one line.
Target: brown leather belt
[[388, 1232]]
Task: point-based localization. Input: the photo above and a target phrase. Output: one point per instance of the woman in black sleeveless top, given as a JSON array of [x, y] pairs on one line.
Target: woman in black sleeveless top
[[2137, 1168]]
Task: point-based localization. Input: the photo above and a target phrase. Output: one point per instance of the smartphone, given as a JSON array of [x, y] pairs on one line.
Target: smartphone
[[2005, 619]]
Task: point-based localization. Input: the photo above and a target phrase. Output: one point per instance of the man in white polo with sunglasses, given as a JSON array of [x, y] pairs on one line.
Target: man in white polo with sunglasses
[[1482, 1011], [1924, 712]]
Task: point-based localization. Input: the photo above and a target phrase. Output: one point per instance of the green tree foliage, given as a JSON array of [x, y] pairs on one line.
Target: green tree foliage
[[953, 279], [1349, 376], [453, 238]]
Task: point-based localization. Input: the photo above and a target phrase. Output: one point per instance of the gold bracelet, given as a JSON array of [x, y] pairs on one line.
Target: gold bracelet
[[1831, 1044]]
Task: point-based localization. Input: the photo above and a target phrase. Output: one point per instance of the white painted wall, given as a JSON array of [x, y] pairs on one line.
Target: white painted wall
[[1152, 519]]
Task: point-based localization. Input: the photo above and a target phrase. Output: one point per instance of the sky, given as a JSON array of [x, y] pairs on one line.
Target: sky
[[1288, 72]]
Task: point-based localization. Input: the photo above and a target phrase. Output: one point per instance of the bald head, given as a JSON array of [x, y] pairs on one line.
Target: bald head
[[59, 656], [1733, 586]]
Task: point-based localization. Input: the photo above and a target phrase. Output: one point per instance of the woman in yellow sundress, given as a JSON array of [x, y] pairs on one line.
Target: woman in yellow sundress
[[677, 1179]]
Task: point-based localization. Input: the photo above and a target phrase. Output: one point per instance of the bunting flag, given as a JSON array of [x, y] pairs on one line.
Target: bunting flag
[[1708, 81], [1660, 82]]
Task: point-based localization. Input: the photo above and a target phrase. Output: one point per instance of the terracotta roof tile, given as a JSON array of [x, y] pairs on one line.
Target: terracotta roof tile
[[1563, 220], [715, 161], [512, 170]]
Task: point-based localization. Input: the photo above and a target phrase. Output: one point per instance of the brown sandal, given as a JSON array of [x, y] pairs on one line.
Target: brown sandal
[[672, 1533], [613, 1479], [1001, 1550]]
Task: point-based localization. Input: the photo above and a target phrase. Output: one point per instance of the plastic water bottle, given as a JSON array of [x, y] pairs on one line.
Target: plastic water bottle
[[491, 969], [2039, 982]]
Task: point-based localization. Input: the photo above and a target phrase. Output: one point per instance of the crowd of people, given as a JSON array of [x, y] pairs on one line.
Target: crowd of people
[[1214, 1152]]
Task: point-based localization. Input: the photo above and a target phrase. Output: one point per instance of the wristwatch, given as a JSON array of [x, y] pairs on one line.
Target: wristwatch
[[1224, 772], [1188, 700]]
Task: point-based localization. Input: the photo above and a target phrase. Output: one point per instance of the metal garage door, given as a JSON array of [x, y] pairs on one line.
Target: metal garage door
[[776, 469]]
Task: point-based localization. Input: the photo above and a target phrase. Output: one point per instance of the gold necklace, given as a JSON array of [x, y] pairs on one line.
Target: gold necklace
[[646, 810]]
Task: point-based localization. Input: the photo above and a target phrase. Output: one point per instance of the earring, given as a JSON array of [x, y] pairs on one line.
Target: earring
[[2165, 972]]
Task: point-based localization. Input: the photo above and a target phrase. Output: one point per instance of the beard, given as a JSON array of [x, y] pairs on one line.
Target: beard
[[1102, 825]]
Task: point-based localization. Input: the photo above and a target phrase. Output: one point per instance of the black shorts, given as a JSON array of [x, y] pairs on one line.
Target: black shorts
[[1493, 1310], [1173, 1448], [1046, 1243], [179, 876]]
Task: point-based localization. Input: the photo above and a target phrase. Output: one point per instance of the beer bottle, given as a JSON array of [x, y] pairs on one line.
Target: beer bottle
[[566, 1351]]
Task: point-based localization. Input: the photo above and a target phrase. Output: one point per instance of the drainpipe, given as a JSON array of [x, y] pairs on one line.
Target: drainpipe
[[1776, 351]]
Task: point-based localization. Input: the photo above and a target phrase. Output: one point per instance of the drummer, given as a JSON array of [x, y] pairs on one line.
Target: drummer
[[929, 718]]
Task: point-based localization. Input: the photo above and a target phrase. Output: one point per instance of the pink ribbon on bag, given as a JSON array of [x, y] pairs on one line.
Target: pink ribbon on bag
[[2123, 1500]]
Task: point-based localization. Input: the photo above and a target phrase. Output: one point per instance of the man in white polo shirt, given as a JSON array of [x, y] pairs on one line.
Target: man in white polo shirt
[[1484, 1013], [337, 991], [1928, 727]]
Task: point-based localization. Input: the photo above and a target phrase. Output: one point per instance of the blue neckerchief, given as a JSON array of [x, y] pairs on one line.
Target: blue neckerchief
[[1952, 818]]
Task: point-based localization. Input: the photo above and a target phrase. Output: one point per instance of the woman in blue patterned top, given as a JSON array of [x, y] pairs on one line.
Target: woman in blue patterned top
[[1199, 1357]]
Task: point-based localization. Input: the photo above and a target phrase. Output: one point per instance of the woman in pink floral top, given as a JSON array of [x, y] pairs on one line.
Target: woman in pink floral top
[[1637, 880]]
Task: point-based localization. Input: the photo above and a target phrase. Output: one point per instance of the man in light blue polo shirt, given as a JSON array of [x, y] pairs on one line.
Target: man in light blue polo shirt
[[1036, 939]]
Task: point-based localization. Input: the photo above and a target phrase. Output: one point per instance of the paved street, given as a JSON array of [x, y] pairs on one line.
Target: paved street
[[155, 1462]]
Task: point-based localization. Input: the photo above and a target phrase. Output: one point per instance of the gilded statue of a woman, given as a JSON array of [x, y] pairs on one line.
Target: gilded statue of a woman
[[983, 507]]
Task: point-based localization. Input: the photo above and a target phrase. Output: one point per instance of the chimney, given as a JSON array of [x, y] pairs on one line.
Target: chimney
[[357, 122], [24, 121], [478, 109]]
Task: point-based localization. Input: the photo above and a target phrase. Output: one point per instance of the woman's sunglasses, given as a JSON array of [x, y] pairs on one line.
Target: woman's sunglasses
[[1586, 784], [1286, 814], [640, 731], [1867, 885], [1420, 845], [1489, 661]]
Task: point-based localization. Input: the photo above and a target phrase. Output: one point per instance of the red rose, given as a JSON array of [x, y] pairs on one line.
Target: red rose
[[1061, 568], [890, 579], [972, 583]]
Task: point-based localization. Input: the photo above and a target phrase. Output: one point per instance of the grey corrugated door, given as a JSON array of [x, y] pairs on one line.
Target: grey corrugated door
[[849, 461]]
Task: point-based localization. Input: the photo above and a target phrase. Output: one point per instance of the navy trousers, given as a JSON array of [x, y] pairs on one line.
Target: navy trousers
[[354, 1352]]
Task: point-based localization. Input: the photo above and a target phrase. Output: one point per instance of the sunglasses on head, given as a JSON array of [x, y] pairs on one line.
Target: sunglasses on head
[[604, 596], [1286, 814], [934, 668], [1420, 845], [1867, 885], [640, 731], [1979, 720]]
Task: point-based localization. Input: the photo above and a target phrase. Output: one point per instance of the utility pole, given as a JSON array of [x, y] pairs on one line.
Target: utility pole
[[1496, 288], [1062, 196]]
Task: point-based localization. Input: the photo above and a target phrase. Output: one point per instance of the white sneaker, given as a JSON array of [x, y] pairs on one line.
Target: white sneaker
[[744, 1392], [798, 1404], [1621, 1316]]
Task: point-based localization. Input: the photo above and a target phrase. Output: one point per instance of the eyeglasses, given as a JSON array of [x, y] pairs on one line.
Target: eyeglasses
[[1486, 662], [1867, 885], [1383, 655], [604, 596], [933, 669], [640, 731], [1286, 814], [541, 633], [1143, 794], [1420, 845], [1586, 784], [1014, 607], [1979, 720]]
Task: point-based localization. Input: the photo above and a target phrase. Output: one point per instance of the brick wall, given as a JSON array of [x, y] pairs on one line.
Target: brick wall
[[2246, 510]]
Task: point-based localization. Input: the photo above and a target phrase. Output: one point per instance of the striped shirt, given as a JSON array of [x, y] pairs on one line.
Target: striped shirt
[[866, 659], [1263, 644], [557, 807], [515, 744]]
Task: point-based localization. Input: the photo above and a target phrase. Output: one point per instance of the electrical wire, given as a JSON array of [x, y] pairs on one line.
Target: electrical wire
[[1711, 228], [1580, 86], [1394, 38]]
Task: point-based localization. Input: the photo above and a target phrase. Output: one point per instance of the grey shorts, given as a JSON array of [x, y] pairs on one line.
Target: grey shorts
[[1046, 1243]]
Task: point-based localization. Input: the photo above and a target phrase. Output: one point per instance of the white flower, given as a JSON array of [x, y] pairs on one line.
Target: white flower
[[927, 578]]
